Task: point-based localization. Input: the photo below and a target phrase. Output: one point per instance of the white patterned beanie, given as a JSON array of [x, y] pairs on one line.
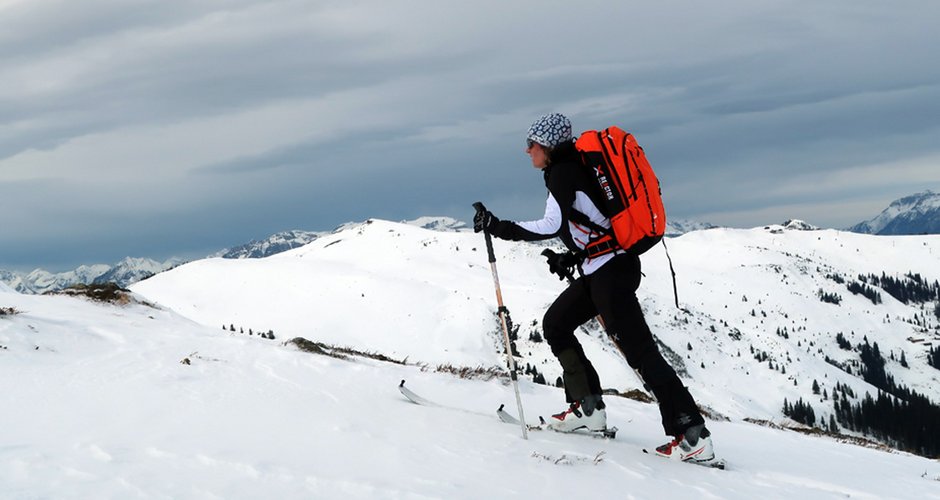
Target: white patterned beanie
[[550, 130]]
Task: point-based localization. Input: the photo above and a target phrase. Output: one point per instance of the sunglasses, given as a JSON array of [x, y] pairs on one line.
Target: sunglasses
[[529, 143]]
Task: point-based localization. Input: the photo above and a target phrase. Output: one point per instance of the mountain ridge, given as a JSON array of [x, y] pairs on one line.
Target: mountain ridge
[[133, 269], [918, 213]]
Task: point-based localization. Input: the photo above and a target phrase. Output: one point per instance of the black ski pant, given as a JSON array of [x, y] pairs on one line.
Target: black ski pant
[[611, 292]]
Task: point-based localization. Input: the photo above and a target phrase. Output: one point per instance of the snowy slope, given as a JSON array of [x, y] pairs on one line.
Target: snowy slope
[[100, 406], [428, 296], [393, 288], [754, 282]]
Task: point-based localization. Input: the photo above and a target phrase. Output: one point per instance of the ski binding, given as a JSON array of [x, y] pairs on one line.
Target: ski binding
[[504, 416], [714, 463]]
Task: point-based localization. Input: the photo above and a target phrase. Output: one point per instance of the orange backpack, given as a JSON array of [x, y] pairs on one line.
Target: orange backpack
[[632, 196]]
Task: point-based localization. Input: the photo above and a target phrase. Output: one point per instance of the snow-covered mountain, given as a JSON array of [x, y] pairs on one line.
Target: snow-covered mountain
[[132, 269], [162, 402], [678, 227], [799, 225], [915, 214], [40, 280], [763, 310], [127, 271], [274, 244], [438, 223], [288, 240]]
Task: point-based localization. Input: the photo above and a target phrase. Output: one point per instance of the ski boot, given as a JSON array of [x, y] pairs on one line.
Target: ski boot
[[589, 414], [695, 445]]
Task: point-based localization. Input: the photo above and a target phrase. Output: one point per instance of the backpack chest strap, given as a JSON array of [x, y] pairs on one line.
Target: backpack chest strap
[[601, 246]]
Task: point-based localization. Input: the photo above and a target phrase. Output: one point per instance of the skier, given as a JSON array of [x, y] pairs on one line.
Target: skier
[[607, 286]]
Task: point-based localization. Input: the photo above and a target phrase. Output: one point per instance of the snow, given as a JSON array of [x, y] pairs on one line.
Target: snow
[[99, 404]]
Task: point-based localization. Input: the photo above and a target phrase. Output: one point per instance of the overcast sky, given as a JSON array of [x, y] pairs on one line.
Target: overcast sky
[[176, 128]]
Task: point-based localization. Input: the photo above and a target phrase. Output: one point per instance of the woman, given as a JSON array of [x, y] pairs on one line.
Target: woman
[[607, 286]]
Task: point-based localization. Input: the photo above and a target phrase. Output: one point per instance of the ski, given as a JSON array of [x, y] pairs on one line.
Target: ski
[[509, 419], [414, 398], [715, 463], [506, 417]]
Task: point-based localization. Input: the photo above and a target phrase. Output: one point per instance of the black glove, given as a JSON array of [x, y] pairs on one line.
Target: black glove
[[562, 264], [484, 220]]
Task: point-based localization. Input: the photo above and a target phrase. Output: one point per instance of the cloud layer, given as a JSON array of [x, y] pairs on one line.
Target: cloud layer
[[176, 128]]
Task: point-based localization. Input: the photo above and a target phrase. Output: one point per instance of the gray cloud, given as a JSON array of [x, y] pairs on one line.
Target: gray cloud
[[195, 125]]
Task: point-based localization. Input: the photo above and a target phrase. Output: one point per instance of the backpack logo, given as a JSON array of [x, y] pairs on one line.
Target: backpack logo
[[605, 186]]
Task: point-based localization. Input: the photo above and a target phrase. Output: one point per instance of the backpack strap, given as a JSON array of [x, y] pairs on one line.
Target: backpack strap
[[675, 291], [608, 244], [601, 246], [583, 220]]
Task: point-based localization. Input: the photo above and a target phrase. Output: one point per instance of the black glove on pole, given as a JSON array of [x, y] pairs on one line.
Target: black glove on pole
[[561, 264], [503, 317]]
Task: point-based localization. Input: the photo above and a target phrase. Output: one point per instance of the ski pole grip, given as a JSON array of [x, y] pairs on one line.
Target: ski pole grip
[[489, 239]]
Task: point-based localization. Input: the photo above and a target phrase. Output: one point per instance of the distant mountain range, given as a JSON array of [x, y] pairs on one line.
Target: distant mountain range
[[915, 214], [678, 227], [129, 270], [274, 244], [132, 269]]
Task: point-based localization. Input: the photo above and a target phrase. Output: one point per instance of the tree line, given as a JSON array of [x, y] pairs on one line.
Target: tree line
[[933, 357], [898, 415], [911, 424], [912, 287]]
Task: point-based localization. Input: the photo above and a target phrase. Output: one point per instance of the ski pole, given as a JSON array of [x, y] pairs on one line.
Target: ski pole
[[549, 254], [503, 317]]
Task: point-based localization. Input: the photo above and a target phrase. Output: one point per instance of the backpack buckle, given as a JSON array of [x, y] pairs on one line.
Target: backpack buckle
[[603, 247]]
